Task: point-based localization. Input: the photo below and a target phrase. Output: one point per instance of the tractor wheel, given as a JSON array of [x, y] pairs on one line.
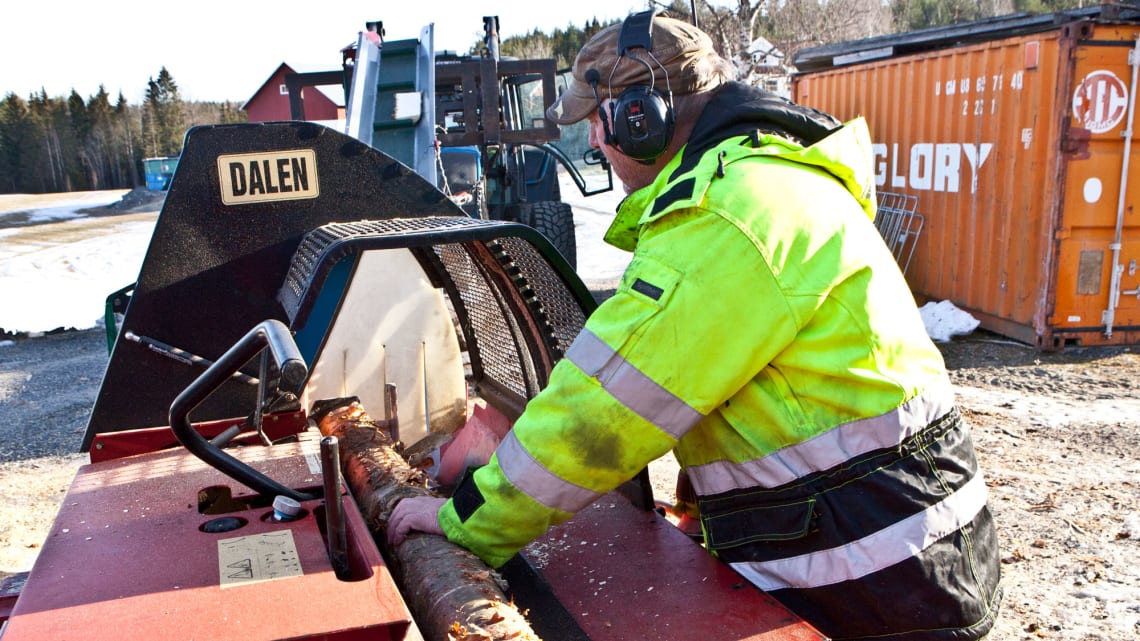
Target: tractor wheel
[[554, 220]]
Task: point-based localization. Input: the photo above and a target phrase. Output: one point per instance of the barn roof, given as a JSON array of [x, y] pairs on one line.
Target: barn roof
[[333, 93]]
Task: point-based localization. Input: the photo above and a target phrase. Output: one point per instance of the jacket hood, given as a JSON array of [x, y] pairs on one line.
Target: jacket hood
[[816, 138], [738, 109], [767, 125]]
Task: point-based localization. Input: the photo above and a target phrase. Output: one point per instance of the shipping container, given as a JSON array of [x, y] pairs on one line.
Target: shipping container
[[159, 172], [1015, 137]]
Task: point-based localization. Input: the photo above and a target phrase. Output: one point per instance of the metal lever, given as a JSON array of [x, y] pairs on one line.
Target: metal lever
[[334, 507], [271, 334]]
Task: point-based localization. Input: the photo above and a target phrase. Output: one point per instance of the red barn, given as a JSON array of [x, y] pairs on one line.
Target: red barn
[[271, 101]]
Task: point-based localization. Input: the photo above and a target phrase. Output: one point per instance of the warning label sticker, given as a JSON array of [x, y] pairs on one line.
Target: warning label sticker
[[258, 557]]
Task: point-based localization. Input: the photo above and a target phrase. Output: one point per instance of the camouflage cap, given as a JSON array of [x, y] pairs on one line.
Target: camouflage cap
[[678, 46]]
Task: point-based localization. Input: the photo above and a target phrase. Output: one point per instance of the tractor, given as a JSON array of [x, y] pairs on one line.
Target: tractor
[[473, 124]]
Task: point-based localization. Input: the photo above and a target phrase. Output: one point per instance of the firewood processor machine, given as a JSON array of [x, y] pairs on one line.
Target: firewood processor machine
[[292, 263]]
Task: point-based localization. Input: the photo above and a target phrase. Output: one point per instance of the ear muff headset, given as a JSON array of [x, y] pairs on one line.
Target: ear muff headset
[[640, 122]]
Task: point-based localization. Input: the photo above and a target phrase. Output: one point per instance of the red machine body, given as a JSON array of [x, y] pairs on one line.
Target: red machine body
[[127, 558], [625, 574]]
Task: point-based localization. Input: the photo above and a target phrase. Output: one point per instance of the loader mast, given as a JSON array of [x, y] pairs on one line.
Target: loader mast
[[473, 125]]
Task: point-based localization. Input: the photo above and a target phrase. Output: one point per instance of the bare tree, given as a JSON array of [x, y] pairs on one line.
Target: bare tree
[[730, 25], [920, 14], [788, 24], [795, 24]]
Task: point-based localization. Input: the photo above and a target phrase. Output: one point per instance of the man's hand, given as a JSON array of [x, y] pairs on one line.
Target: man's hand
[[418, 513]]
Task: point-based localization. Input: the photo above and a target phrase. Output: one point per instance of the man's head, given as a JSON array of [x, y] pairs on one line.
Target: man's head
[[682, 62]]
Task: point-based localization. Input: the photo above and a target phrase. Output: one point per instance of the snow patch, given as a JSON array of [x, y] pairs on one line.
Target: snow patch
[[943, 321]]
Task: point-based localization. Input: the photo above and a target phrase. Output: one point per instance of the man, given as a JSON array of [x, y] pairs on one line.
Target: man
[[764, 333]]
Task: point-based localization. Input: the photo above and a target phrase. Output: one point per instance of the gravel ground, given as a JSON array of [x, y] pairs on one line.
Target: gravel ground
[[48, 385], [1059, 438]]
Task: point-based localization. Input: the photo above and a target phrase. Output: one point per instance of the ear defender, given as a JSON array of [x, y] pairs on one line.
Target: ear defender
[[641, 117], [643, 123]]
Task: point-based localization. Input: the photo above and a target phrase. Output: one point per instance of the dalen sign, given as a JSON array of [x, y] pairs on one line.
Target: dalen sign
[[268, 176]]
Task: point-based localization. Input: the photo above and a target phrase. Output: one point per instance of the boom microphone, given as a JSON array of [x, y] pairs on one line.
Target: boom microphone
[[593, 77]]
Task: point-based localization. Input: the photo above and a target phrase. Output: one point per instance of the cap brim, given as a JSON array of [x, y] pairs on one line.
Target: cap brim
[[571, 108]]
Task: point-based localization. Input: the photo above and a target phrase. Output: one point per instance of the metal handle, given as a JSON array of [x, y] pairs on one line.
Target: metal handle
[[293, 371]]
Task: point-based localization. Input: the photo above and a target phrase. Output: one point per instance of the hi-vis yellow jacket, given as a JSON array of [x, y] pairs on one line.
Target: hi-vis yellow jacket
[[764, 333]]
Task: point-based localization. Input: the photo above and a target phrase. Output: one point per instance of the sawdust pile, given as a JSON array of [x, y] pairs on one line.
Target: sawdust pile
[[134, 201]]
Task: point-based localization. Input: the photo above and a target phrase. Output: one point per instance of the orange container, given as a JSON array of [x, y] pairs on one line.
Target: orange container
[[1019, 148]]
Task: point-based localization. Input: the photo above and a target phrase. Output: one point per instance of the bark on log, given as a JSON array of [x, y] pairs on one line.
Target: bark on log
[[453, 595]]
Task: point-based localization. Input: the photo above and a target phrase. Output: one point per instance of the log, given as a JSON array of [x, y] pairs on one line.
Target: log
[[452, 594]]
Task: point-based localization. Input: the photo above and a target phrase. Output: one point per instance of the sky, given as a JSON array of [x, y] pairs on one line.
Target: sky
[[225, 50]]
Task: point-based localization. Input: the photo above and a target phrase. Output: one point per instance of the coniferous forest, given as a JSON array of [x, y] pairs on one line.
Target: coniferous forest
[[57, 144]]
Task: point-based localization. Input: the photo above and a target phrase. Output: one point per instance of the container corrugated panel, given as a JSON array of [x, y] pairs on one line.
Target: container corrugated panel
[[1015, 148]]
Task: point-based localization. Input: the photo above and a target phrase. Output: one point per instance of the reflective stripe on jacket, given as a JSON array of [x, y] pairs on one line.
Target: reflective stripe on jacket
[[764, 333]]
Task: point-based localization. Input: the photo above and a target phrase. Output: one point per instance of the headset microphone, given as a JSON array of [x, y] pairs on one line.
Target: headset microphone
[[593, 77]]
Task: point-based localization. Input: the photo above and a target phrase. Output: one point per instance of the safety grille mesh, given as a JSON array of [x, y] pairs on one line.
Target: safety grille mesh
[[514, 300], [318, 247], [502, 355], [554, 305]]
